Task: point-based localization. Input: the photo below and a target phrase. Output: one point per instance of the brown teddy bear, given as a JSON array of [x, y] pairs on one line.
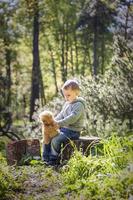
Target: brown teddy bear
[[49, 126]]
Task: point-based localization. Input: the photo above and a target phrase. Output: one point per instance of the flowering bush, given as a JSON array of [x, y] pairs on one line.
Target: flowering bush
[[109, 98]]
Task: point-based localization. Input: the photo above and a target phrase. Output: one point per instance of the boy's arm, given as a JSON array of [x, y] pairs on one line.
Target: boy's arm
[[77, 111], [60, 115]]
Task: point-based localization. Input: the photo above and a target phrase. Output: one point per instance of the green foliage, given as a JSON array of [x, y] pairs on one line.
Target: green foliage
[[107, 174], [2, 145], [8, 185], [99, 176], [30, 160], [26, 159], [110, 97]]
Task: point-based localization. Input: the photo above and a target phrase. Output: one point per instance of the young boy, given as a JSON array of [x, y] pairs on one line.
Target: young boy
[[71, 119]]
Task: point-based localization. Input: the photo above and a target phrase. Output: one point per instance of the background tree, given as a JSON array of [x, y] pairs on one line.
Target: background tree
[[124, 21], [97, 17], [36, 83], [8, 37]]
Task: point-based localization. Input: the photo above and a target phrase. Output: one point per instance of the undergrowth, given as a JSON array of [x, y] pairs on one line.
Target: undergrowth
[[106, 175], [8, 185]]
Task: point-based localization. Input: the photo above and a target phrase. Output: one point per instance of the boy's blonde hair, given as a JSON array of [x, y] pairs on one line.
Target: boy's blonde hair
[[73, 84]]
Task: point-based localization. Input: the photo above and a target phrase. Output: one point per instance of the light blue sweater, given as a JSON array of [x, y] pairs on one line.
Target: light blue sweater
[[73, 115]]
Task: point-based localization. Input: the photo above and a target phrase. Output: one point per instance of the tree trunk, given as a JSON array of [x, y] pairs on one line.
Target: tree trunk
[[84, 63], [66, 50], [102, 54], [76, 51], [95, 56], [42, 91], [85, 51], [8, 83], [8, 76], [36, 65], [53, 68], [63, 72], [72, 68]]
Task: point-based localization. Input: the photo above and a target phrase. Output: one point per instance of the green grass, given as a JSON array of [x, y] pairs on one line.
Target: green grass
[[107, 174]]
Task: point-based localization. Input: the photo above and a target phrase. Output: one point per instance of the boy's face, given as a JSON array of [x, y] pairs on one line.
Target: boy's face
[[70, 95]]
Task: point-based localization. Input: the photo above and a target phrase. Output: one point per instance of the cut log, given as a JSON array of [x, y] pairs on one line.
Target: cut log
[[16, 150], [84, 144]]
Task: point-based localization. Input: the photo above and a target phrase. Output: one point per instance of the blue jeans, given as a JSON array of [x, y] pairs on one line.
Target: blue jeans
[[46, 150], [65, 135]]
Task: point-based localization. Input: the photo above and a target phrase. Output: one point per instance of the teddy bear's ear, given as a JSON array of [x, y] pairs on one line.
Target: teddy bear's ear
[[41, 116]]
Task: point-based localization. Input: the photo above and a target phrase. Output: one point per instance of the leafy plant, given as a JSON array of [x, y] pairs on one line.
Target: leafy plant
[[95, 177], [8, 185]]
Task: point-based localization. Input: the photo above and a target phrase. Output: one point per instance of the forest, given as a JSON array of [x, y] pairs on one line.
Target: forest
[[43, 43]]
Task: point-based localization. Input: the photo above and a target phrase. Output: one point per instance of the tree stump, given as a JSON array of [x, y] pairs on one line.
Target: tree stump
[[16, 150], [84, 144]]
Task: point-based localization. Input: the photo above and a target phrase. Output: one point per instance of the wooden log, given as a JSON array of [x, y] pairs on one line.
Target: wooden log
[[84, 144], [16, 150]]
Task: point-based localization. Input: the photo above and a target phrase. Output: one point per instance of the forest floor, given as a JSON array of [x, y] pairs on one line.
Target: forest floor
[[35, 181], [38, 183], [82, 178]]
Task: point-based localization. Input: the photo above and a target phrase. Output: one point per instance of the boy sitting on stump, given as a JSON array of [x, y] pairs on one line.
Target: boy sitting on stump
[[69, 122]]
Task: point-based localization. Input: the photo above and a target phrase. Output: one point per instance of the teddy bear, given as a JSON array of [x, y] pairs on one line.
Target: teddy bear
[[49, 126]]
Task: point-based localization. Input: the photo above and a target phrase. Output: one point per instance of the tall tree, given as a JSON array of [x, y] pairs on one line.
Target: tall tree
[[124, 21], [62, 20], [53, 67], [8, 37], [36, 82], [96, 16]]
